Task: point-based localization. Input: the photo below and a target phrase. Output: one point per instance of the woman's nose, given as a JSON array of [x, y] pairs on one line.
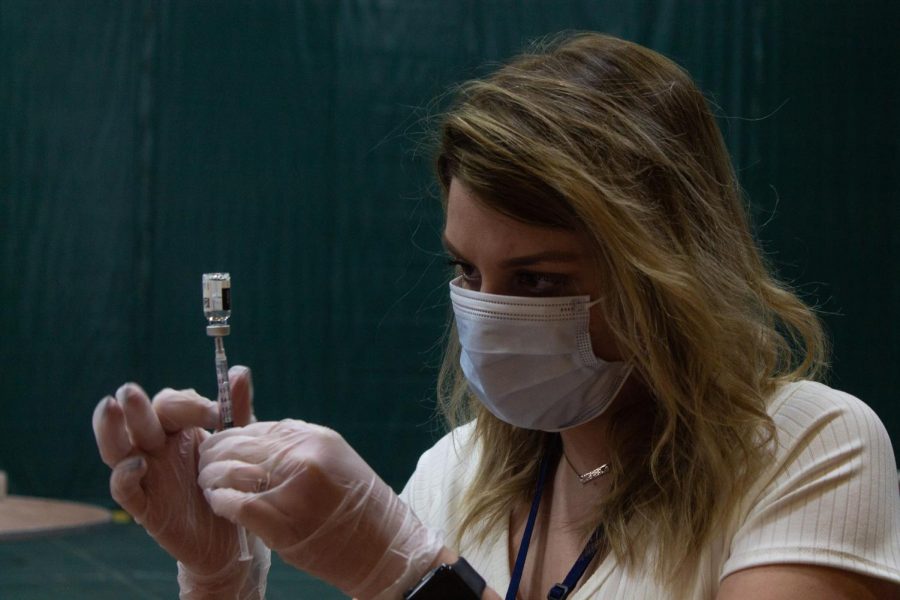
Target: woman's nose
[[491, 284]]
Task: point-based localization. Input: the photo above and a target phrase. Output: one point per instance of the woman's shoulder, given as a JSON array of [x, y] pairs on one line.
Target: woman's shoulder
[[442, 474], [806, 410], [829, 495], [804, 390], [454, 452], [821, 430]]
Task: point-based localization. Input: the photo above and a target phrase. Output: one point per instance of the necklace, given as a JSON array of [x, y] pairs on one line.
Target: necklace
[[590, 475]]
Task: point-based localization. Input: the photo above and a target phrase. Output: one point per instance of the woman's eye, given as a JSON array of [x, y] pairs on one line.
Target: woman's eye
[[519, 283], [469, 273], [541, 284]]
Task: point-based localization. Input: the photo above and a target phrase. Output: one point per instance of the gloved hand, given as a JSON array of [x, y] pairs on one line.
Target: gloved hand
[[311, 498], [153, 451]]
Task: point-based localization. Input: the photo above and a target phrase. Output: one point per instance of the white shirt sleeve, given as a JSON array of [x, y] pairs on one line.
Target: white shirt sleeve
[[831, 496]]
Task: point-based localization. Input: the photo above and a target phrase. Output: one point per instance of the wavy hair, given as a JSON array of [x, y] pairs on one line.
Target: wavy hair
[[604, 137]]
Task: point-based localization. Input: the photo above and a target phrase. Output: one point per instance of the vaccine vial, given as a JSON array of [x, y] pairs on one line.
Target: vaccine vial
[[217, 302]]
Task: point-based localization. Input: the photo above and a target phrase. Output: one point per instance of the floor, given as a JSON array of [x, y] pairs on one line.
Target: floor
[[116, 561]]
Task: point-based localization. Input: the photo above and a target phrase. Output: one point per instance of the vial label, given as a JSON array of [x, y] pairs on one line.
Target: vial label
[[217, 297]]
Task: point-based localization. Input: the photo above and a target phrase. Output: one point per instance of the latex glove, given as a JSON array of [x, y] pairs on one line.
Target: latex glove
[[311, 498], [153, 451]]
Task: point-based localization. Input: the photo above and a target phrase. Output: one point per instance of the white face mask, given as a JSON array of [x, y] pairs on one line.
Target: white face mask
[[530, 360]]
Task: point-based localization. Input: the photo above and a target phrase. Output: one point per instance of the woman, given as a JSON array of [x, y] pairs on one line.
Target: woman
[[627, 386]]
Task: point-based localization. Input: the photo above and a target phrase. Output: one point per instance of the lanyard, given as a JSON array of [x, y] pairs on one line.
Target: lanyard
[[560, 591]]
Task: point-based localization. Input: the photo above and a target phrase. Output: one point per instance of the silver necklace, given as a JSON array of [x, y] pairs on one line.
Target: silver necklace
[[590, 475]]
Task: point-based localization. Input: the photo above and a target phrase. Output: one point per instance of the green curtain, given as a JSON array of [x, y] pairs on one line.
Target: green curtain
[[144, 143]]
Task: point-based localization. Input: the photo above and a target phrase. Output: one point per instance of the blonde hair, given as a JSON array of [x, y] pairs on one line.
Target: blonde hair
[[604, 137]]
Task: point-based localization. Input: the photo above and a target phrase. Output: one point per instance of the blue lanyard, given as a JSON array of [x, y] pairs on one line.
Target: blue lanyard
[[560, 591]]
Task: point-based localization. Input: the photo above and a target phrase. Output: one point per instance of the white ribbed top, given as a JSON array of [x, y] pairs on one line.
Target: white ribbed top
[[830, 498]]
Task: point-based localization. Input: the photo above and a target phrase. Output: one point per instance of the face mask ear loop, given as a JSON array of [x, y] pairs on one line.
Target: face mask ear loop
[[585, 345]]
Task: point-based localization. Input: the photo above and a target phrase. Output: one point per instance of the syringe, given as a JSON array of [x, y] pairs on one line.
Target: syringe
[[217, 309]]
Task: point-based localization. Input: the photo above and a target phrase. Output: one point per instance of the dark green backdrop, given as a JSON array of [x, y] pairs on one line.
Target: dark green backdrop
[[143, 143]]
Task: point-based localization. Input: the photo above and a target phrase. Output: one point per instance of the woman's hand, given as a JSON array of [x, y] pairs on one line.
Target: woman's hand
[[153, 451], [310, 497]]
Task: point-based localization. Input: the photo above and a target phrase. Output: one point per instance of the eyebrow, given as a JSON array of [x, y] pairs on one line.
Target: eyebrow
[[528, 259]]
